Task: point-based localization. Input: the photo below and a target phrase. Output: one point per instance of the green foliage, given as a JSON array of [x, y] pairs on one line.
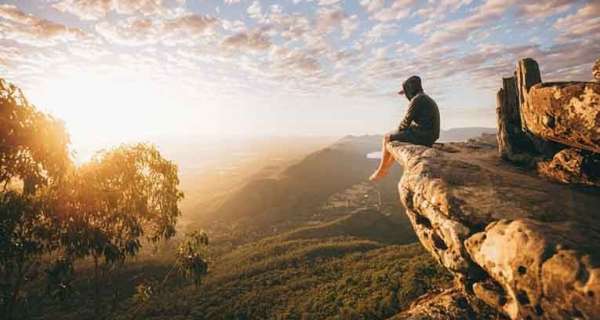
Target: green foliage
[[121, 197], [49, 208], [143, 292], [191, 255], [335, 278], [33, 159], [60, 277], [60, 220], [33, 145]]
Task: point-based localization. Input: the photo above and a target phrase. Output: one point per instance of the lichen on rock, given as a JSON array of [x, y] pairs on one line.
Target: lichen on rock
[[565, 112], [572, 166]]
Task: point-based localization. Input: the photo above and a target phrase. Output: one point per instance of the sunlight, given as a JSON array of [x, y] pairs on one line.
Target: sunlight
[[95, 106], [102, 109]]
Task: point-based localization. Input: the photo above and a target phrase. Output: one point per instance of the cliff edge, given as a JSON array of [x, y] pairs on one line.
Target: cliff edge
[[526, 246], [515, 217]]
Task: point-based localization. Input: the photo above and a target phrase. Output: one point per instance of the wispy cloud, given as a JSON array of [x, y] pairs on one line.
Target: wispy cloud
[[183, 29], [304, 47], [96, 9], [28, 29]]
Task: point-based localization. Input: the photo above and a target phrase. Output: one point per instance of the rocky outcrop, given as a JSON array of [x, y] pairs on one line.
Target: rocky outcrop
[[538, 121], [565, 112], [513, 143], [527, 247], [572, 166], [448, 304]]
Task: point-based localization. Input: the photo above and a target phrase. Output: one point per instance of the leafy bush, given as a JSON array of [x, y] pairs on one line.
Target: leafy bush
[[51, 209], [191, 256]]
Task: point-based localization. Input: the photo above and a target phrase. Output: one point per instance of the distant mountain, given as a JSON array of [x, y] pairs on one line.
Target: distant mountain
[[367, 224], [269, 205], [265, 206], [462, 134]]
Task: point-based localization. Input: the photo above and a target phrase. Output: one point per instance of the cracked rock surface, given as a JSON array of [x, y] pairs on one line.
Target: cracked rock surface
[[447, 304], [526, 246]]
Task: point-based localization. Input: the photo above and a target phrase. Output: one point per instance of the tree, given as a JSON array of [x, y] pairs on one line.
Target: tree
[[191, 256], [33, 158], [190, 261], [121, 198], [104, 209]]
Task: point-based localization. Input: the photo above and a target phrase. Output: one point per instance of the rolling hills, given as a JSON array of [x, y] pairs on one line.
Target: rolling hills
[[309, 240]]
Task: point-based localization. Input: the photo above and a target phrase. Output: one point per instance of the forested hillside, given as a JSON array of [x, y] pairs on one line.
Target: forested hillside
[[310, 239]]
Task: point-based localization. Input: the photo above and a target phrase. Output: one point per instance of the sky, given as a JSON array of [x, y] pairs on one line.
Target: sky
[[126, 70]]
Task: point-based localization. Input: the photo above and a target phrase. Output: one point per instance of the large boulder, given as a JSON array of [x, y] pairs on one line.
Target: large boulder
[[526, 246], [554, 126], [565, 112]]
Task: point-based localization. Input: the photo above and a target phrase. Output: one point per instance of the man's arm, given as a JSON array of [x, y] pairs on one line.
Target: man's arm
[[408, 118]]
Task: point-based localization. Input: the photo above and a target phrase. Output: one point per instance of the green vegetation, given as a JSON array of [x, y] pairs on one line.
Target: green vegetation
[[54, 213], [339, 278], [97, 241], [363, 223]]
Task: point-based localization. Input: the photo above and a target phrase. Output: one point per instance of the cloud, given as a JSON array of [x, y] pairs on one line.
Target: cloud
[[328, 2], [96, 9], [541, 9], [233, 26], [457, 30], [255, 11], [372, 5], [300, 61], [184, 29], [27, 29], [327, 48], [292, 27], [328, 19], [86, 9], [399, 9], [9, 55], [379, 32], [585, 22], [434, 13], [248, 40], [349, 26]]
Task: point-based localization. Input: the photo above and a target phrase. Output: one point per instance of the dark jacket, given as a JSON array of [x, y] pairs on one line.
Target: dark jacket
[[422, 119]]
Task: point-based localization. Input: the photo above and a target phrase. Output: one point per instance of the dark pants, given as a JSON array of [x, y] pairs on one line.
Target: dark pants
[[408, 136]]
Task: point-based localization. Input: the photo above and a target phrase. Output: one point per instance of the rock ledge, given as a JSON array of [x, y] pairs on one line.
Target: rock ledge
[[528, 247]]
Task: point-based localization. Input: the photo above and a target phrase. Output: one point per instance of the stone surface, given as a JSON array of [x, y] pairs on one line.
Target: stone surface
[[528, 257], [513, 143], [527, 75], [553, 126], [565, 112], [448, 304], [524, 245], [572, 166]]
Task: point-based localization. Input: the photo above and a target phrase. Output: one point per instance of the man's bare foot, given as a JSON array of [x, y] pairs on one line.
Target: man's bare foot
[[377, 175]]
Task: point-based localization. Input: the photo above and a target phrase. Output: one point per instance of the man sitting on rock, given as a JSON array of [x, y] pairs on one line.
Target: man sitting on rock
[[421, 124]]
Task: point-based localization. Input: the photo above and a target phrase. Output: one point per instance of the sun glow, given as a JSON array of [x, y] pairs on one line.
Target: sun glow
[[96, 106], [100, 110]]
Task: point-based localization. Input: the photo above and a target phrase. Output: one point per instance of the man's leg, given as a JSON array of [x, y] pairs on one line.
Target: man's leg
[[387, 160]]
